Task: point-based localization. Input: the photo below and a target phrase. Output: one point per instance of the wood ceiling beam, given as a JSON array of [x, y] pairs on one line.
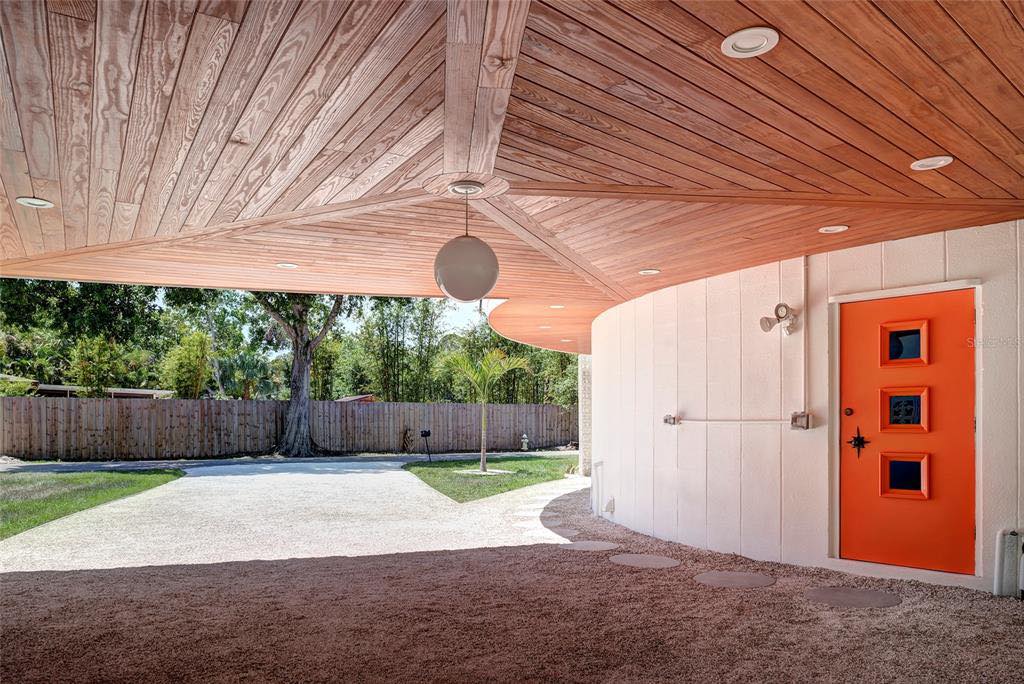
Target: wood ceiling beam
[[327, 212], [480, 62], [663, 194], [506, 214]]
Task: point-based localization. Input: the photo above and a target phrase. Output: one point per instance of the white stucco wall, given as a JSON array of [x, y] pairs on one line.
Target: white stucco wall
[[733, 477]]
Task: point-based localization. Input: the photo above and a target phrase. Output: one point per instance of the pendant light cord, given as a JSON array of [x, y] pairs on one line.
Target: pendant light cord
[[467, 215]]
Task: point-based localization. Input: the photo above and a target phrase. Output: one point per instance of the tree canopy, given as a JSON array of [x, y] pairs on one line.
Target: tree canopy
[[127, 336]]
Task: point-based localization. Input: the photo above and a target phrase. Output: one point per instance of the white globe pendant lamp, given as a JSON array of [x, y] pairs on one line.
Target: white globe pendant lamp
[[466, 268]]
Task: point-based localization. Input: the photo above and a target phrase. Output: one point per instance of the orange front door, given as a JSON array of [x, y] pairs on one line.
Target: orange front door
[[906, 472]]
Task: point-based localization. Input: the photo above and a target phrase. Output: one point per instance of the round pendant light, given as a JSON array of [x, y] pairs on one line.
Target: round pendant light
[[466, 268]]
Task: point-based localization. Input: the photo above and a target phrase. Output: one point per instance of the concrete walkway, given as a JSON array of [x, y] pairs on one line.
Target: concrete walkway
[[275, 509]]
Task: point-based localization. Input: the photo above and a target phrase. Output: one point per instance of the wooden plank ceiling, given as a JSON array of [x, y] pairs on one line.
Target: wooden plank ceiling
[[204, 142]]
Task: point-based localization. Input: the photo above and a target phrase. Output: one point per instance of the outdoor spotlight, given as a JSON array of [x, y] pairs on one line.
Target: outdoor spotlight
[[784, 315]]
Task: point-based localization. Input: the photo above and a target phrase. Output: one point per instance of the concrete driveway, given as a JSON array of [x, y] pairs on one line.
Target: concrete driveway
[[279, 510]]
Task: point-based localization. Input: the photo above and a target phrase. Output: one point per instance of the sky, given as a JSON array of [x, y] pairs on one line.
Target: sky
[[459, 316]]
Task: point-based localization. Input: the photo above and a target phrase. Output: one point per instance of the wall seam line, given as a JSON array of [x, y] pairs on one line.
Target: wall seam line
[[707, 449], [781, 413], [739, 299]]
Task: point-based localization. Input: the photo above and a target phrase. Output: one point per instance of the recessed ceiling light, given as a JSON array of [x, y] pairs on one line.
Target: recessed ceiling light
[[566, 340], [830, 230], [930, 163], [34, 202], [287, 265], [544, 327], [557, 306], [649, 271], [750, 42], [466, 187]]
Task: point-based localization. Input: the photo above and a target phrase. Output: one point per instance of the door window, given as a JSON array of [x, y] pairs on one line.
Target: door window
[[903, 409], [903, 475], [903, 343]]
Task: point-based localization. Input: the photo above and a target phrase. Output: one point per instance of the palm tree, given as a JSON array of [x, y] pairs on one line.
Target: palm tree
[[247, 375], [482, 376]]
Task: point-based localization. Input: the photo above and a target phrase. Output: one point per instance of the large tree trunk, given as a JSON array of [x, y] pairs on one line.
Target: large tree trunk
[[213, 353], [291, 311], [483, 437], [297, 439]]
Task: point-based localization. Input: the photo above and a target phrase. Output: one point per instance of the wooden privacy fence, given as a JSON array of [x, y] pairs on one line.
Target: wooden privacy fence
[[139, 429]]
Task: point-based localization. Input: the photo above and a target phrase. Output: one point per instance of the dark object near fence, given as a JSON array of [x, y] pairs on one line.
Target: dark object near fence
[[425, 434]]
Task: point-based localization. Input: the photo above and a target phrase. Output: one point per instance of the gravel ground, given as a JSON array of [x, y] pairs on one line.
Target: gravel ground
[[273, 509], [524, 613]]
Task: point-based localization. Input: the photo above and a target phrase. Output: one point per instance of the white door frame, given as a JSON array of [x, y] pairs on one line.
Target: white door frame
[[833, 432]]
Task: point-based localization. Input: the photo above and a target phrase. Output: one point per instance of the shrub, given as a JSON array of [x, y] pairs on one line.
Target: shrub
[[186, 368], [96, 364], [16, 388]]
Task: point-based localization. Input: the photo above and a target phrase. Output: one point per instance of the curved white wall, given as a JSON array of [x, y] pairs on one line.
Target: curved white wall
[[733, 477]]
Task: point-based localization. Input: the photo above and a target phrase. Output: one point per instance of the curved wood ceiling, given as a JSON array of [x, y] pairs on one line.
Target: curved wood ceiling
[[201, 142]]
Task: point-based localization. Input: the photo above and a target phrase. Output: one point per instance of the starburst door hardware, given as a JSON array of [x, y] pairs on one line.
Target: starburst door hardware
[[858, 441]]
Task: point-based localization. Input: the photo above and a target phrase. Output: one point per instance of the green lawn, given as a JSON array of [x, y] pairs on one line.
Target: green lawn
[[526, 470], [30, 499]]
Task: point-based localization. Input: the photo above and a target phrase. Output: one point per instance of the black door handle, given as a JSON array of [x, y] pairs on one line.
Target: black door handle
[[858, 441]]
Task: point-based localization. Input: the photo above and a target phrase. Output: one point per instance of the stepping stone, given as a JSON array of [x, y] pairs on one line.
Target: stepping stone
[[644, 560], [565, 531], [551, 522], [589, 546], [851, 597], [730, 579]]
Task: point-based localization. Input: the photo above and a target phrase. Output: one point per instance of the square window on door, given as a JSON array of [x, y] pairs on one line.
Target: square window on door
[[903, 475], [903, 409], [904, 343]]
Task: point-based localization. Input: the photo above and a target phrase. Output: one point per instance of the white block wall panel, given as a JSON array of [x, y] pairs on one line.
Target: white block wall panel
[[760, 352], [791, 291], [644, 434], [1020, 374], [723, 487], [626, 418], [857, 269], [805, 455], [723, 346], [666, 476], [601, 404], [983, 253], [805, 491], [692, 503], [664, 522], [914, 261], [608, 426], [692, 357], [761, 495]]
